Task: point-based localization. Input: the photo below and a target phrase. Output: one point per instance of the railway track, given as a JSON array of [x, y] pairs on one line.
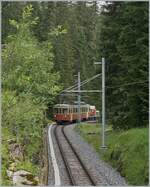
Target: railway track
[[77, 173]]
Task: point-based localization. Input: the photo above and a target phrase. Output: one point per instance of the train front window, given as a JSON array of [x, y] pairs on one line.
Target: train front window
[[75, 110], [64, 110], [55, 110], [59, 110]]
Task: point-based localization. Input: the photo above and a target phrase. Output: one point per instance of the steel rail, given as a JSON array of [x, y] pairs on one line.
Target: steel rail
[[78, 157], [64, 158]]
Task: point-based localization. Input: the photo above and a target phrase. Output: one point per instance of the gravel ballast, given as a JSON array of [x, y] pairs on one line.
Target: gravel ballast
[[103, 173]]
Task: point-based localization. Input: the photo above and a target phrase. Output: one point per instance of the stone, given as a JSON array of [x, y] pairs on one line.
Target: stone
[[9, 173], [16, 151], [22, 177]]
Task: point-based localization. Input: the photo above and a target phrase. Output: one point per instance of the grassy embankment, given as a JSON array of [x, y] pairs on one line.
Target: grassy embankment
[[11, 163], [127, 150]]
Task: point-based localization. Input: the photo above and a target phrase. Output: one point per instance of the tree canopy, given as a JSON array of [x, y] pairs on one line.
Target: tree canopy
[[66, 37]]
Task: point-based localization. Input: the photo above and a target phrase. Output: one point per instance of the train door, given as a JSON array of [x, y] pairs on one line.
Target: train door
[[70, 113]]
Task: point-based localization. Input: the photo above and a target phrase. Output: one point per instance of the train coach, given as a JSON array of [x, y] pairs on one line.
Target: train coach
[[69, 113]]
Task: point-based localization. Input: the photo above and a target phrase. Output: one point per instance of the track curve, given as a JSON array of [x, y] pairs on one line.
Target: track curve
[[77, 173]]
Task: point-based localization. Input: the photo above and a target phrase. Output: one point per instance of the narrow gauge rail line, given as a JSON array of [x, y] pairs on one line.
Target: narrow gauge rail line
[[77, 172]]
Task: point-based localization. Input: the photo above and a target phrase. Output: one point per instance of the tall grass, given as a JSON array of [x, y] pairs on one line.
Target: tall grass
[[127, 151]]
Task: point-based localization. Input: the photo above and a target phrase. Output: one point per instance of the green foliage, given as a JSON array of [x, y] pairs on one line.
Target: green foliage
[[28, 166], [24, 118], [123, 40], [57, 31], [30, 64], [73, 36], [127, 151], [6, 135], [10, 10], [29, 85], [47, 43]]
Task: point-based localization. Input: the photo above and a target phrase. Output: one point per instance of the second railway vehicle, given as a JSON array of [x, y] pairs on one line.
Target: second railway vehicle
[[66, 113]]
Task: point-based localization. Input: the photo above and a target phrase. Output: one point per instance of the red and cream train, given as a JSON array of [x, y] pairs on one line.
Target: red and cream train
[[69, 113]]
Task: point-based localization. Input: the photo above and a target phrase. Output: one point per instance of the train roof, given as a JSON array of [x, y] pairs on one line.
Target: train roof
[[67, 105], [61, 105]]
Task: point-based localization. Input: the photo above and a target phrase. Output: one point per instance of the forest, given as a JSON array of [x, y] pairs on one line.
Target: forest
[[45, 44]]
